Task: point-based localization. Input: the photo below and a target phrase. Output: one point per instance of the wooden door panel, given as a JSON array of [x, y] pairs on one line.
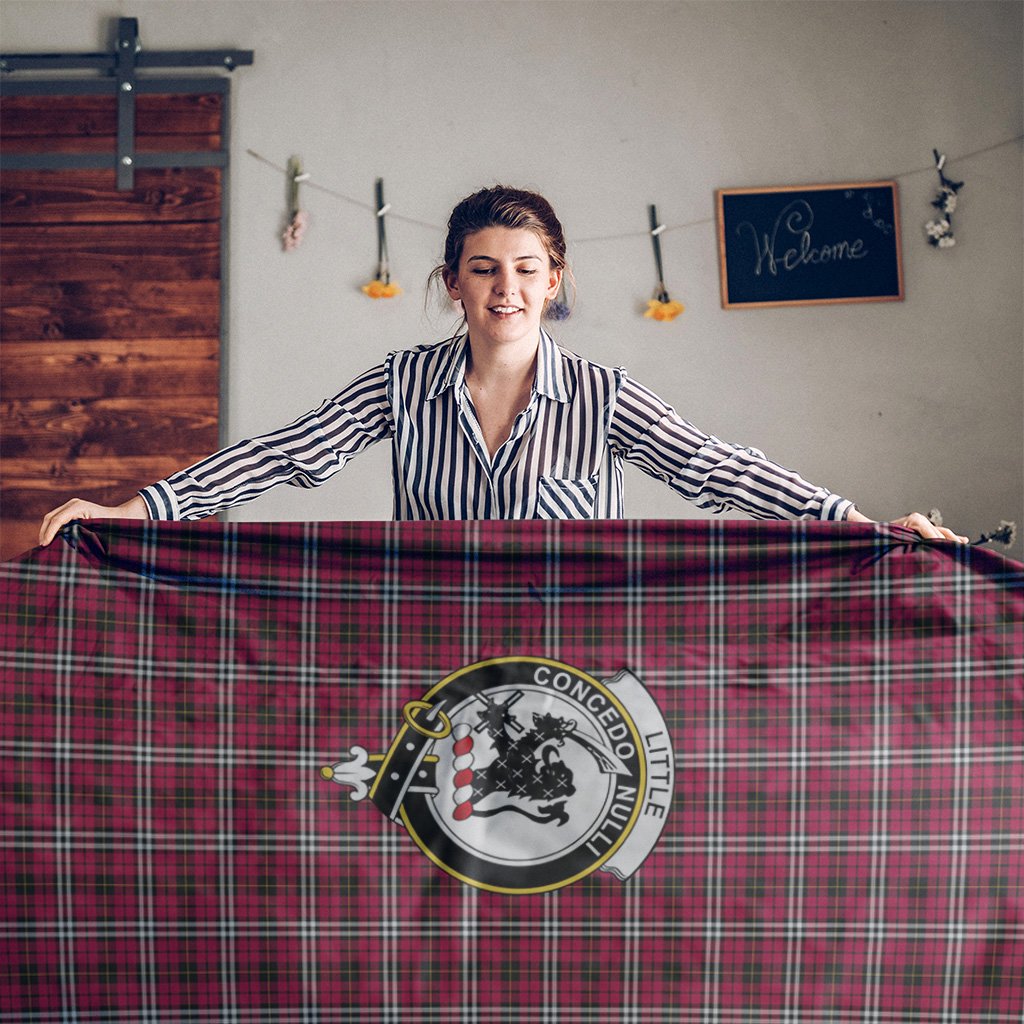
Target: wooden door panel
[[47, 117], [105, 252], [85, 196], [70, 428], [111, 369], [111, 305], [102, 143], [93, 309], [31, 481]]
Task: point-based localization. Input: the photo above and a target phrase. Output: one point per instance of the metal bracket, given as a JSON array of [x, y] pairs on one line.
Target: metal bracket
[[128, 47], [123, 65]]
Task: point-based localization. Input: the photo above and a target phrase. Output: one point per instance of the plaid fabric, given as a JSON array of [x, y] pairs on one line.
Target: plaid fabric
[[845, 841]]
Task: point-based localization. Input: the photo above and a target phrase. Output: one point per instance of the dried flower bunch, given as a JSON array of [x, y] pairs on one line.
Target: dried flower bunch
[[558, 308], [940, 231], [661, 307], [299, 219], [381, 287], [1005, 533]]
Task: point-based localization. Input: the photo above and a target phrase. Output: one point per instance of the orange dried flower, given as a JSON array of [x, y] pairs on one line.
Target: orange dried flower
[[380, 290], [664, 311]]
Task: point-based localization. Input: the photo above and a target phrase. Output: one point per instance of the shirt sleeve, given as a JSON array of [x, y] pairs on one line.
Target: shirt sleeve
[[711, 473], [304, 454]]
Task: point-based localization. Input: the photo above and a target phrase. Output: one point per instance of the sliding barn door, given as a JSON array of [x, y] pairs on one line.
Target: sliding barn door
[[111, 301]]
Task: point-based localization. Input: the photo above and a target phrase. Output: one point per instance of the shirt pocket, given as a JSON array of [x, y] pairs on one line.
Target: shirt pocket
[[566, 498]]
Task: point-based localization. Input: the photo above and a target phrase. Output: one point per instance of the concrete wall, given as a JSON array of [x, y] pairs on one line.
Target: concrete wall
[[606, 107]]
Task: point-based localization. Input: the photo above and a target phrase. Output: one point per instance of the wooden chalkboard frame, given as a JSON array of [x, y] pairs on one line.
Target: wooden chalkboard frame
[[818, 289]]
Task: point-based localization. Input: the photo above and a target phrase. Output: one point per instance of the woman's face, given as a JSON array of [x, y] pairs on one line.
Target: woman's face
[[505, 278]]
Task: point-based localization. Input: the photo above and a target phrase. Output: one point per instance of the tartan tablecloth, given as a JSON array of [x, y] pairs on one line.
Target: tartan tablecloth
[[511, 772]]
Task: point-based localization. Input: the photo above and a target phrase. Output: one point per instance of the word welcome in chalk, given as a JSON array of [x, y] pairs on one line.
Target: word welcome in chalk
[[795, 221]]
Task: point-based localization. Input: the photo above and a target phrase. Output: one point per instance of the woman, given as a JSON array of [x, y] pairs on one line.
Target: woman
[[498, 422]]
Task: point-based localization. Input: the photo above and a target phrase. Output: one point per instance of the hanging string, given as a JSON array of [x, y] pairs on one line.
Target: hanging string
[[311, 184], [623, 235]]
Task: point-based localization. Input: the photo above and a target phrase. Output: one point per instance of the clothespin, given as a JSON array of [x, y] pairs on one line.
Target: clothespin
[[295, 178], [940, 163]]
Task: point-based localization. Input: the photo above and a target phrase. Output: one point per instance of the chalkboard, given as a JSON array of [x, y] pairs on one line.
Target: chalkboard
[[812, 244]]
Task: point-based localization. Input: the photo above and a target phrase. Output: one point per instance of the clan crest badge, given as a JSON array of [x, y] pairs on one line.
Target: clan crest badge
[[522, 775]]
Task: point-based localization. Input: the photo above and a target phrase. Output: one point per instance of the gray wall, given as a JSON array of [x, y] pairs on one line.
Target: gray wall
[[606, 107]]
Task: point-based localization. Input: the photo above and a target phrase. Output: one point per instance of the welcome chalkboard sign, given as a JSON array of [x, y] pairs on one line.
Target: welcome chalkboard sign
[[812, 244]]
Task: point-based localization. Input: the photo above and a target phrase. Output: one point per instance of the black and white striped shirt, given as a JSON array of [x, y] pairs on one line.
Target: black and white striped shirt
[[562, 460]]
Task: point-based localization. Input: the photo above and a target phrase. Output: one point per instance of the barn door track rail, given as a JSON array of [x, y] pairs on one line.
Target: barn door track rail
[[121, 68]]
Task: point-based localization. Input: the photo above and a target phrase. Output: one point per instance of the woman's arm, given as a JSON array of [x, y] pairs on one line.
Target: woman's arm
[[305, 453], [715, 474], [711, 473]]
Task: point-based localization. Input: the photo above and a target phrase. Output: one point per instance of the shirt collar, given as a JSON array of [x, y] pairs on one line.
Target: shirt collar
[[550, 380], [451, 369]]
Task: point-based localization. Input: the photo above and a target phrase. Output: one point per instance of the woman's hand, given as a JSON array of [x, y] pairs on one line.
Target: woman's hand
[[76, 508], [916, 522]]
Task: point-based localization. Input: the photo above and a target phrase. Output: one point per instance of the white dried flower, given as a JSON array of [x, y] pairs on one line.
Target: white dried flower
[[1005, 533], [940, 232]]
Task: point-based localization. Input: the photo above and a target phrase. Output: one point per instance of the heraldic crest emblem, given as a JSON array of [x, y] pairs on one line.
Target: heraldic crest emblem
[[523, 775]]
